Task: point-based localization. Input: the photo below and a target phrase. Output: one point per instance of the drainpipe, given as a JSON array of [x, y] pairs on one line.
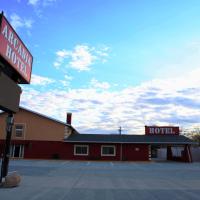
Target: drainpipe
[[120, 133]]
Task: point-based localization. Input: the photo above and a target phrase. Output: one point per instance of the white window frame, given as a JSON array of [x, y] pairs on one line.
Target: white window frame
[[23, 130], [113, 146], [79, 154]]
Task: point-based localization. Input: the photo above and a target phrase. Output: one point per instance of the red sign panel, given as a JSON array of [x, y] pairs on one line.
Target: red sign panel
[[161, 130], [13, 50]]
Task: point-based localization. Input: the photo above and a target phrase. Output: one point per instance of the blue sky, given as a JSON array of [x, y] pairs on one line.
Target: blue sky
[[112, 63]]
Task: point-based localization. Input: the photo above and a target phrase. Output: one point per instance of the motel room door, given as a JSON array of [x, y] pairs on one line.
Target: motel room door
[[158, 152], [154, 152]]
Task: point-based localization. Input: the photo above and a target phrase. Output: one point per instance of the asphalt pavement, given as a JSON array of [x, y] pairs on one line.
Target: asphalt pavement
[[89, 180]]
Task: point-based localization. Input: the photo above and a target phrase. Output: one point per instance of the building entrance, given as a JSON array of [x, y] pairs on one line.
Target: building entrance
[[169, 152], [158, 153]]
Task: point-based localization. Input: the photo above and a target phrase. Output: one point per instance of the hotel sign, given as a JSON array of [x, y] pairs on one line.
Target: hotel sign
[[14, 52], [161, 130], [9, 94]]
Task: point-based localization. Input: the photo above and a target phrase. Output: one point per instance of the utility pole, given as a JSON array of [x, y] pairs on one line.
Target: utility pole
[[120, 130], [120, 133]]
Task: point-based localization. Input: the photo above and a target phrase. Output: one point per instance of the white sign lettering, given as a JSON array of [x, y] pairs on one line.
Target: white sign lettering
[[162, 130], [14, 51]]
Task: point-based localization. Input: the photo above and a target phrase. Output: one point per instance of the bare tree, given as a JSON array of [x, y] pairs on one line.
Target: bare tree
[[196, 135]]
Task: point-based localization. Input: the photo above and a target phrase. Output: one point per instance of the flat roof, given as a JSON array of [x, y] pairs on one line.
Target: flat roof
[[116, 138]]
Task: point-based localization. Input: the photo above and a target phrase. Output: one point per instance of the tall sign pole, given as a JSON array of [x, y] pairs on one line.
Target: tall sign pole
[[15, 68], [6, 155]]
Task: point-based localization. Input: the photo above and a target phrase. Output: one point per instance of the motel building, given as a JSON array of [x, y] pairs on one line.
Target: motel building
[[36, 136]]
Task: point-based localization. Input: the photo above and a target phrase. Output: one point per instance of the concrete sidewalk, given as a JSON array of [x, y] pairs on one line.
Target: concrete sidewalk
[[59, 180]]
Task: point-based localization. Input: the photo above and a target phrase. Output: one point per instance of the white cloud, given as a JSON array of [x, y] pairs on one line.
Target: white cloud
[[37, 3], [68, 77], [178, 60], [40, 80], [56, 64], [33, 2], [66, 81], [18, 22], [48, 2], [81, 58], [160, 102], [101, 85], [62, 53]]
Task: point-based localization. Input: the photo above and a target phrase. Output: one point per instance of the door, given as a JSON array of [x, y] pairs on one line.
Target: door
[[17, 151], [154, 152]]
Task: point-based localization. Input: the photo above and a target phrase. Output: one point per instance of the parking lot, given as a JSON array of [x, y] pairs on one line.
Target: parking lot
[[59, 180]]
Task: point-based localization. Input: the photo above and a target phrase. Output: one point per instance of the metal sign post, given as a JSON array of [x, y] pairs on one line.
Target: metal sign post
[[9, 102], [15, 68], [6, 155]]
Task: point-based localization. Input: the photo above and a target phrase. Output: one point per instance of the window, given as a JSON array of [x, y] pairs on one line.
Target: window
[[108, 150], [19, 130], [81, 150]]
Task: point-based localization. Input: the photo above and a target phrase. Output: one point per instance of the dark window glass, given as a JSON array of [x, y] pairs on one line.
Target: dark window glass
[[19, 129], [108, 151], [82, 150]]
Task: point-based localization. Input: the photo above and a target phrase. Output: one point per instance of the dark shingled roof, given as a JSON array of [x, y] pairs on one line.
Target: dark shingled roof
[[144, 139]]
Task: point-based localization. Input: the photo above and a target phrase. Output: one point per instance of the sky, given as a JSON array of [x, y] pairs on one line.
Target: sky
[[111, 63]]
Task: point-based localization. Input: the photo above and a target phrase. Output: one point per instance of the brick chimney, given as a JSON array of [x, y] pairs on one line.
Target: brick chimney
[[69, 118]]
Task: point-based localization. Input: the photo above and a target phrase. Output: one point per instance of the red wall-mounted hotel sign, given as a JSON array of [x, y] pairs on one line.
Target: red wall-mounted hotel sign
[[14, 52], [161, 130]]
